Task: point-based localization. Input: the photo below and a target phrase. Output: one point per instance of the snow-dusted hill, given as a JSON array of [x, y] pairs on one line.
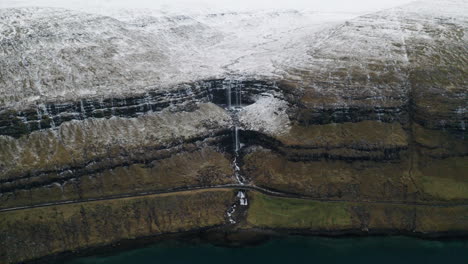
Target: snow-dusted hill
[[50, 54], [335, 61], [57, 54], [365, 110]]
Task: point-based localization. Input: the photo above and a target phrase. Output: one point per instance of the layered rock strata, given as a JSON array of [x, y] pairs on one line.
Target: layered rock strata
[[361, 130]]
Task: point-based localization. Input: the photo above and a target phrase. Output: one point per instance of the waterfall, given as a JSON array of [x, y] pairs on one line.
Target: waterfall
[[238, 96], [228, 95], [39, 118], [237, 173], [236, 139], [242, 198], [233, 106], [83, 111], [230, 213], [242, 201], [45, 112]]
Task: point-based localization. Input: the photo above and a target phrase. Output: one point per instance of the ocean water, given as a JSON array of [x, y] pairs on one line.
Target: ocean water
[[296, 249]]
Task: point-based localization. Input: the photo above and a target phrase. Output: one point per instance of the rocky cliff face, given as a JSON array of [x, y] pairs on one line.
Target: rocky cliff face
[[122, 126]]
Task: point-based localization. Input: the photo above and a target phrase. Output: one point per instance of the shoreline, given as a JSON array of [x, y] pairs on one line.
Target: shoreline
[[228, 237]]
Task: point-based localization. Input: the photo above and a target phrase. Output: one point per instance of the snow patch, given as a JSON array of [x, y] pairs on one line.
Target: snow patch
[[267, 115]]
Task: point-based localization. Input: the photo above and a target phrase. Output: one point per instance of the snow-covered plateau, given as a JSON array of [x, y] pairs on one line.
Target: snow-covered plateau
[[52, 54], [120, 123], [57, 54]]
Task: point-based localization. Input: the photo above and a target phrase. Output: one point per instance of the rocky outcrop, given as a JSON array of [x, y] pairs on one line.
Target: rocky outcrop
[[183, 97]]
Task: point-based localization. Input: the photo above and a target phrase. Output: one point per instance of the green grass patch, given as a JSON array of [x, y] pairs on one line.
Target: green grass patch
[[276, 212], [445, 178], [445, 188]]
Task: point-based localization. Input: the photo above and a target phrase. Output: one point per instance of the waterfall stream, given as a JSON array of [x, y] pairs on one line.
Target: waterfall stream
[[234, 90], [242, 201]]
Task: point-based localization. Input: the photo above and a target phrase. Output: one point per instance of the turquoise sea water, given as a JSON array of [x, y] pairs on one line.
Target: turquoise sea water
[[296, 249]]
